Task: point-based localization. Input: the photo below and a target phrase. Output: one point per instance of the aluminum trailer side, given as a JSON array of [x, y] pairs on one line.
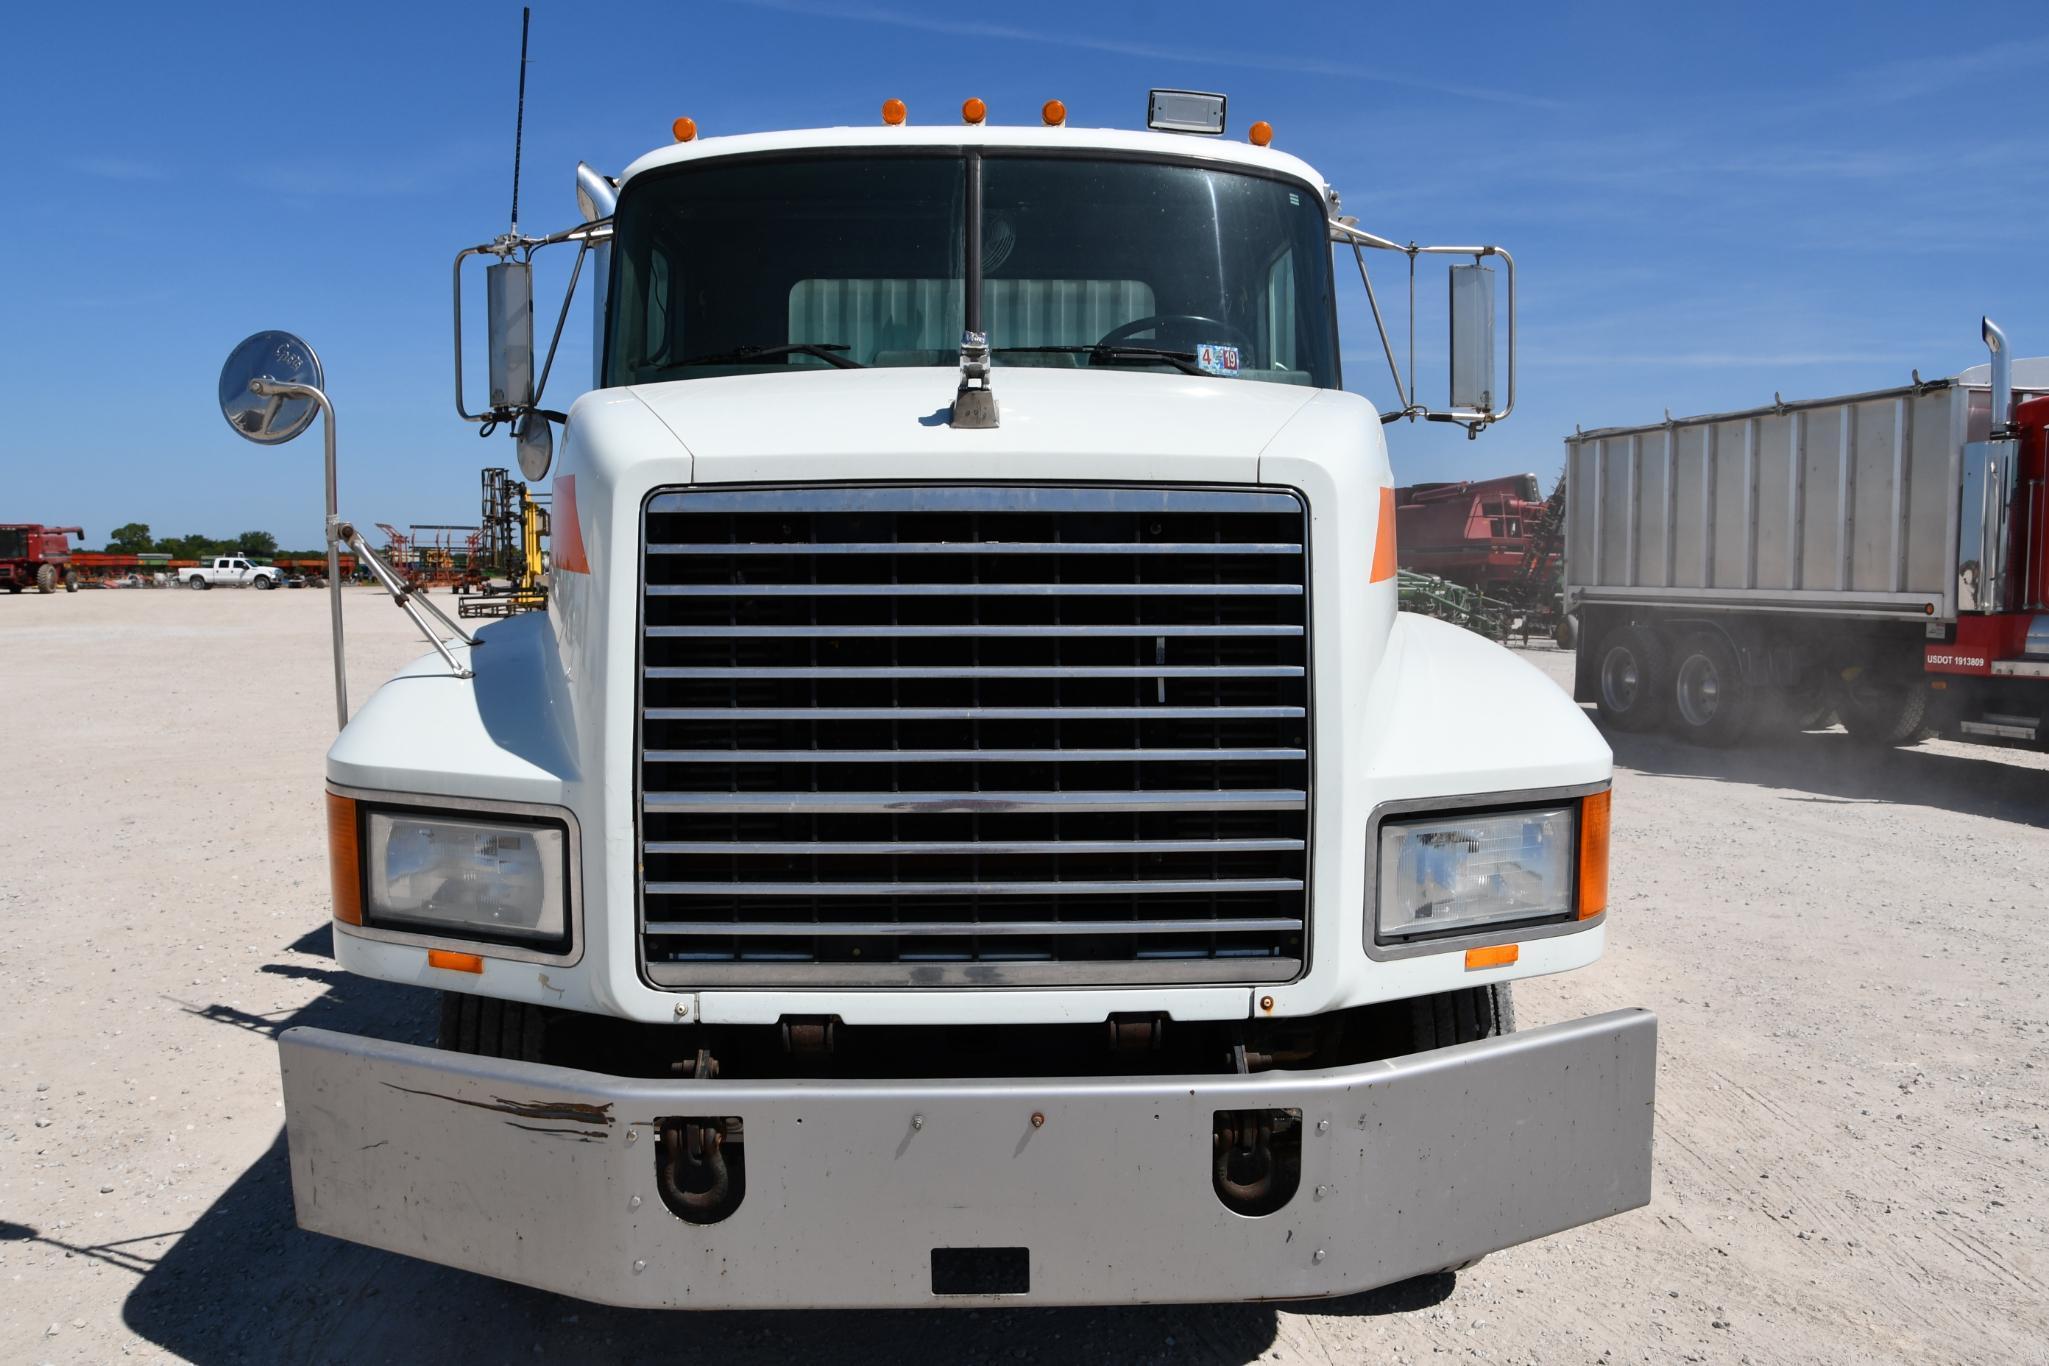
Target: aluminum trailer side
[[1771, 560]]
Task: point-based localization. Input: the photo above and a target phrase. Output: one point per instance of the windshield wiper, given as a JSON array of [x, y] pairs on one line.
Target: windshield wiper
[[741, 355], [1116, 354]]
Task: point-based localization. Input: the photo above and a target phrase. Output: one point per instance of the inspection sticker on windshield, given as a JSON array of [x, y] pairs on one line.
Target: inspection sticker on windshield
[[1217, 360]]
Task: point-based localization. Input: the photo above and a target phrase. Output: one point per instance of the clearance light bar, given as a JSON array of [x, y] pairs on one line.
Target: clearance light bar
[[1185, 111]]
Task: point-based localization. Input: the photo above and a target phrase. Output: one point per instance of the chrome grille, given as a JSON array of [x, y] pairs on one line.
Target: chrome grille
[[973, 735]]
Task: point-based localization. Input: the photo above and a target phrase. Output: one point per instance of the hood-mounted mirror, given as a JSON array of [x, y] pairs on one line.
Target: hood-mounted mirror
[[280, 358]]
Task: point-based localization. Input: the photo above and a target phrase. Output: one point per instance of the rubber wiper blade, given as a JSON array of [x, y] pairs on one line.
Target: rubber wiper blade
[[740, 355], [1118, 354]]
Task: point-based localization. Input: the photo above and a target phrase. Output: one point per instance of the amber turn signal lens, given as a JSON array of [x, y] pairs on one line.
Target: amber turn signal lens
[[684, 128], [452, 961], [973, 111], [1593, 855], [1494, 956], [1054, 113], [344, 860], [894, 112], [1261, 133]]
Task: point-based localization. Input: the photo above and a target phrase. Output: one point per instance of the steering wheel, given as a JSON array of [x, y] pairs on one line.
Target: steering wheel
[[1156, 323]]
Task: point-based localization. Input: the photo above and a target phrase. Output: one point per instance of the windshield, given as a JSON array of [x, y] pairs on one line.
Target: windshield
[[756, 266]]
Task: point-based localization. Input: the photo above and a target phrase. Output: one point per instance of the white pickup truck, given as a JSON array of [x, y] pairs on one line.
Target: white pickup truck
[[231, 571], [971, 826]]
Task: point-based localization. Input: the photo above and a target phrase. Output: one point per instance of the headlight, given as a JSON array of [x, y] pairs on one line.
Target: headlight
[[1464, 871], [481, 879]]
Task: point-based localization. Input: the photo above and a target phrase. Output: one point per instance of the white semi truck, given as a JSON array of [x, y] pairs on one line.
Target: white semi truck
[[971, 825]]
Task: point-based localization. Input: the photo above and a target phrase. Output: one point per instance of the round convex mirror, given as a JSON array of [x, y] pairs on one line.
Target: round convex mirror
[[536, 445], [278, 356]]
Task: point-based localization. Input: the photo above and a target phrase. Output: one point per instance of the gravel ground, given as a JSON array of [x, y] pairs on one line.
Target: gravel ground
[[1851, 1101]]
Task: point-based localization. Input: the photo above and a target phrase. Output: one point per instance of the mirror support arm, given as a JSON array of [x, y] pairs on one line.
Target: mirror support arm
[[267, 388], [339, 531]]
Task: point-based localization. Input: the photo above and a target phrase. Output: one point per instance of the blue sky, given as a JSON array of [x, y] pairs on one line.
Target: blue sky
[[1708, 203]]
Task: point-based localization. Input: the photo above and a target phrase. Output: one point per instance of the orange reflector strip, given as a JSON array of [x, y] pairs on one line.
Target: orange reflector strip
[[453, 961], [684, 128], [1383, 540], [1496, 956], [973, 110], [1053, 113], [1260, 133], [1593, 855], [894, 112], [344, 860]]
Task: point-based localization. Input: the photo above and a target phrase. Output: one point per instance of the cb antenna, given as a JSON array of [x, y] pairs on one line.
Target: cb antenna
[[526, 17]]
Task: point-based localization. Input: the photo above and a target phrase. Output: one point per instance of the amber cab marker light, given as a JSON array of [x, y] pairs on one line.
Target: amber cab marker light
[[452, 961], [684, 128], [1384, 566], [344, 860], [1053, 114], [894, 113], [1493, 956], [973, 111], [1261, 133], [1593, 855]]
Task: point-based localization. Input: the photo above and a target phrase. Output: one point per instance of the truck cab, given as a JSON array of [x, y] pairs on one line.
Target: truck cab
[[970, 825]]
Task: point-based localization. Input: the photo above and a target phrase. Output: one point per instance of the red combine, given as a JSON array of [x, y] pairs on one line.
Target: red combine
[[35, 555], [1474, 533]]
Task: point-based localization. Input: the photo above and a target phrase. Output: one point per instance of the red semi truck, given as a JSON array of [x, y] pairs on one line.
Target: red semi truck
[[33, 555], [1882, 558]]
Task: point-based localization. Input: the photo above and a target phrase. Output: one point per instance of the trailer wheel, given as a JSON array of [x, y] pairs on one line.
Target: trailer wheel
[[1631, 679], [46, 578], [1711, 704], [1461, 1016], [1882, 714], [486, 1027]]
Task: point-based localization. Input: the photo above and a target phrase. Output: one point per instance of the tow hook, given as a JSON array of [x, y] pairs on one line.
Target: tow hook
[[699, 1179], [1256, 1159]]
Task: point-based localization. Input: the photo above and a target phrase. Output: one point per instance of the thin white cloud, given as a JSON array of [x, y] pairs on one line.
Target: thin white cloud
[[1243, 60], [120, 168]]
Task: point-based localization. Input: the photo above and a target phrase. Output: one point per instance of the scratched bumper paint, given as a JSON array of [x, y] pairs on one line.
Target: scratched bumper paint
[[546, 1176]]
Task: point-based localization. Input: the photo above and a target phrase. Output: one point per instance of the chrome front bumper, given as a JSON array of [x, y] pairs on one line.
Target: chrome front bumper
[[546, 1176]]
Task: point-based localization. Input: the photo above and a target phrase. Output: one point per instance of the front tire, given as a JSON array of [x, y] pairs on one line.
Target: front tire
[[486, 1027], [1631, 678], [265, 582], [1711, 704], [46, 579], [1461, 1016]]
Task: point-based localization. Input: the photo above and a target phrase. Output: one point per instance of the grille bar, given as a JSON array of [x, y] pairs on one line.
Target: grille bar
[[888, 929], [894, 848], [958, 735], [983, 548], [971, 713], [963, 756], [976, 801], [966, 629], [974, 590], [994, 671]]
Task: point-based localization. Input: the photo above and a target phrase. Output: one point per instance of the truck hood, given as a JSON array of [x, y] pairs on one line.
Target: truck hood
[[892, 423]]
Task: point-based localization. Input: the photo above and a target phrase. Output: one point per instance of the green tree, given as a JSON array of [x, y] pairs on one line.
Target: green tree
[[131, 539], [258, 543]]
